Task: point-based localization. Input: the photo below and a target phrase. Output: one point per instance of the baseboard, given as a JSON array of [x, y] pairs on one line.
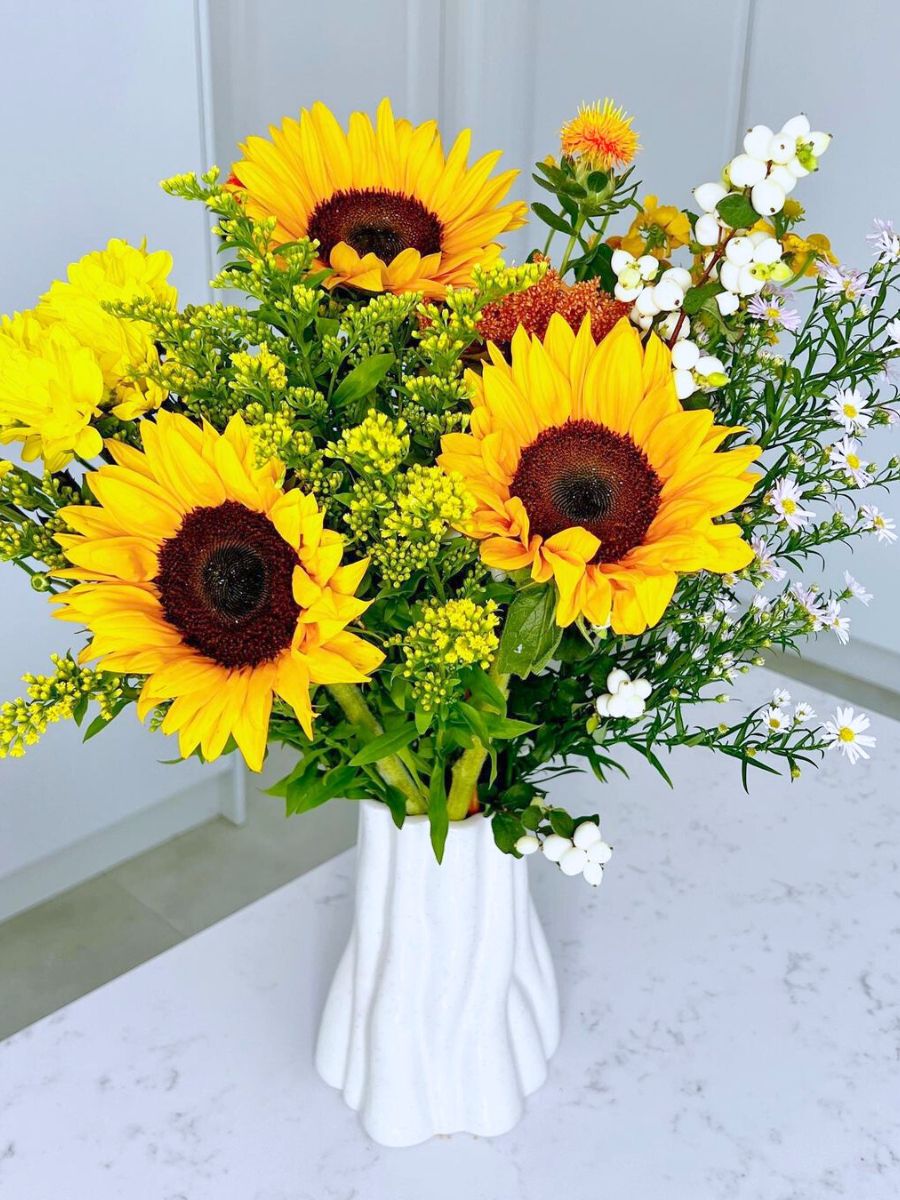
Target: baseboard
[[860, 660], [90, 856]]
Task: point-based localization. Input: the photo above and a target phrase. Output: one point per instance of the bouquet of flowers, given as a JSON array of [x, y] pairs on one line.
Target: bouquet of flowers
[[444, 527]]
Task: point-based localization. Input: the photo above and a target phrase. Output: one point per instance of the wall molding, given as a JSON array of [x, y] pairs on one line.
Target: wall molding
[[114, 844]]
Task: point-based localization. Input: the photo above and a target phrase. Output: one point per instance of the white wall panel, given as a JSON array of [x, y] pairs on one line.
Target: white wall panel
[[839, 64], [101, 101]]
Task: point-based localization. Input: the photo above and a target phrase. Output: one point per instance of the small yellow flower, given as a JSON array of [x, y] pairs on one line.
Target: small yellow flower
[[600, 136], [797, 249], [658, 229]]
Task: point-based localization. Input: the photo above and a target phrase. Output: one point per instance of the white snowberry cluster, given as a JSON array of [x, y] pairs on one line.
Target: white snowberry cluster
[[637, 281], [624, 697], [693, 370], [584, 853], [773, 162]]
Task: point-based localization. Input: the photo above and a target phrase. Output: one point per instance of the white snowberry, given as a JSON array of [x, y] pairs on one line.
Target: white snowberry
[[797, 127], [707, 230], [668, 295], [739, 251], [586, 835], [573, 861], [782, 148], [527, 844], [745, 171], [684, 384], [767, 197], [599, 852], [728, 303], [554, 847], [593, 874], [756, 141], [685, 355], [708, 196]]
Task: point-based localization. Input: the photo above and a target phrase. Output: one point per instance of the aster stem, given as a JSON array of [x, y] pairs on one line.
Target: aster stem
[[390, 768], [464, 779]]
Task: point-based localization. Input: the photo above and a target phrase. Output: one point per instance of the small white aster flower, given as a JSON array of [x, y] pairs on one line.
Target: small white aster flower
[[761, 603], [811, 602], [765, 560], [856, 589], [775, 720], [839, 626], [845, 282], [785, 498], [846, 732], [771, 307], [851, 410], [880, 524], [893, 330], [672, 639], [781, 697], [660, 657], [845, 456], [885, 241], [803, 712]]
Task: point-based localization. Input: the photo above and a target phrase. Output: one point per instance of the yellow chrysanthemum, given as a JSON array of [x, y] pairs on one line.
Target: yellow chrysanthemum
[[50, 391], [120, 273], [600, 136], [390, 211], [585, 468], [199, 572]]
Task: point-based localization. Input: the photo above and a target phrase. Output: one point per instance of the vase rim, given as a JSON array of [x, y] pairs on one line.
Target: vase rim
[[422, 819]]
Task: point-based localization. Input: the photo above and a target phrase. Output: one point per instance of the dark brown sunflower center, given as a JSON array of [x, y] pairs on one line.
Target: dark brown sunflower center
[[375, 222], [225, 584], [582, 473]]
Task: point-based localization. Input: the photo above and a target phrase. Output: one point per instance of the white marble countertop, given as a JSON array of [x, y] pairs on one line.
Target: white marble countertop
[[731, 1026]]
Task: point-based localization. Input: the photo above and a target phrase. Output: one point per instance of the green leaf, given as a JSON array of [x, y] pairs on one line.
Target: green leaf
[[507, 829], [363, 379], [530, 633], [737, 211], [549, 217], [696, 297], [483, 688], [385, 744], [531, 817], [302, 796], [597, 181], [499, 728], [438, 817], [561, 822], [393, 797]]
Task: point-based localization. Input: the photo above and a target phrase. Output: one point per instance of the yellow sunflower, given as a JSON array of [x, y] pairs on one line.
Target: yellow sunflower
[[585, 468], [199, 572], [390, 211]]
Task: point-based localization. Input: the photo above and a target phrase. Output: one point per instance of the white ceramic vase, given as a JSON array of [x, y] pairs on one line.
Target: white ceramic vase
[[443, 1011]]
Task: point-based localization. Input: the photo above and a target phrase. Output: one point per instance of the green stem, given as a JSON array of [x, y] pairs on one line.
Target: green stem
[[390, 768], [570, 246], [464, 778]]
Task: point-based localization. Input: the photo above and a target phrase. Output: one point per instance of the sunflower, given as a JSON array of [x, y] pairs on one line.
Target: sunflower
[[585, 468], [600, 136], [199, 572], [390, 211]]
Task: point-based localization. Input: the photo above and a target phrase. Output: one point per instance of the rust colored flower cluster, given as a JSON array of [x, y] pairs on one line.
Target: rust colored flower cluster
[[534, 307]]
